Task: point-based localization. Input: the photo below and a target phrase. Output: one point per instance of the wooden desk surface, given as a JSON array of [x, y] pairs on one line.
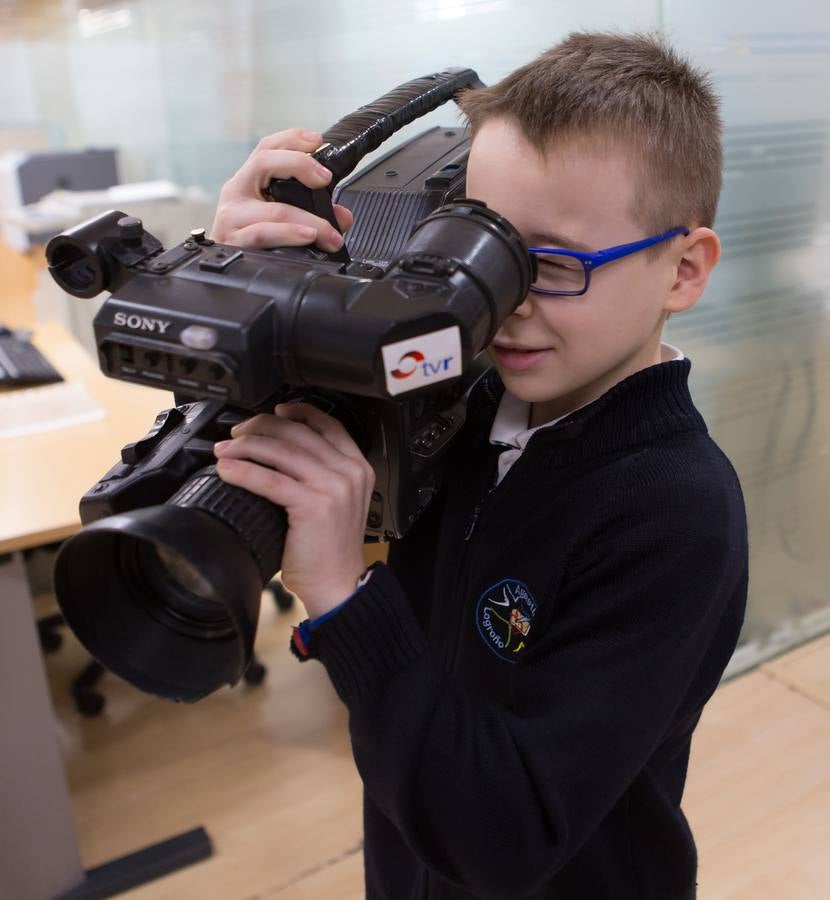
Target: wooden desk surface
[[18, 277], [43, 476]]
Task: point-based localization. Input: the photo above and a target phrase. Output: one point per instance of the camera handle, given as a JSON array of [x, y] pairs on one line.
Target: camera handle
[[317, 202], [362, 131]]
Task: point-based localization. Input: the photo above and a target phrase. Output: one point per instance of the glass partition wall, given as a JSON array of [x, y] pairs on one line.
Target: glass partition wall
[[184, 90], [760, 336]]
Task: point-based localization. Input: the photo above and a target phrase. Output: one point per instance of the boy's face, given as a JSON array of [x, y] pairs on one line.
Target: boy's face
[[580, 198]]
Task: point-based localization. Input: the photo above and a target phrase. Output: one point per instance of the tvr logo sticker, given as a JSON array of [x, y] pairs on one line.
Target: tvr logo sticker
[[422, 360], [408, 365]]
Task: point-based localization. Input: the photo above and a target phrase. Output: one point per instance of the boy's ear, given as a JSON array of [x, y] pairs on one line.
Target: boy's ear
[[701, 251]]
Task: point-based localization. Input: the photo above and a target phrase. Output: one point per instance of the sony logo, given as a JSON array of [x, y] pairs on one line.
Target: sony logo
[[141, 323]]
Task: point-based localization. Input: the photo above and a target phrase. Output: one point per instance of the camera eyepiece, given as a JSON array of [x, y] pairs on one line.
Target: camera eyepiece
[[94, 256]]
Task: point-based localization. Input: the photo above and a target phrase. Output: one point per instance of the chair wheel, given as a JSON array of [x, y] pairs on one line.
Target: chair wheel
[[48, 634], [50, 641], [255, 673], [89, 703], [283, 598]]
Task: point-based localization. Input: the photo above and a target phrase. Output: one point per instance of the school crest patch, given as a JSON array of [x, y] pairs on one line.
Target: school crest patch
[[504, 616]]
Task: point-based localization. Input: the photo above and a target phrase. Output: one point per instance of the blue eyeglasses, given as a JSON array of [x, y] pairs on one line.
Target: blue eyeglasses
[[567, 273]]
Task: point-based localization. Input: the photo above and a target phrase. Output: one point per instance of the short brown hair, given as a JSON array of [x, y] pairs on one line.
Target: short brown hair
[[630, 88]]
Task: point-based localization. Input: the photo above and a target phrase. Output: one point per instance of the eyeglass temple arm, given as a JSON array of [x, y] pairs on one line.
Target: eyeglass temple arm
[[605, 256]]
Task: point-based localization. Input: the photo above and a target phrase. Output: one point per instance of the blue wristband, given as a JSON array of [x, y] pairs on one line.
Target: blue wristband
[[301, 635]]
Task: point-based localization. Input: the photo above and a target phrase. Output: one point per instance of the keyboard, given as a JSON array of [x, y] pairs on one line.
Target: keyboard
[[22, 364]]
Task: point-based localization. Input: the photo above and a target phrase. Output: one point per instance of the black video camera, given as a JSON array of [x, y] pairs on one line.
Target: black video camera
[[163, 583]]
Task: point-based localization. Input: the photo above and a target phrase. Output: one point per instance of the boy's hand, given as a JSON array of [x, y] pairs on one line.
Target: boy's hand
[[305, 461], [246, 219]]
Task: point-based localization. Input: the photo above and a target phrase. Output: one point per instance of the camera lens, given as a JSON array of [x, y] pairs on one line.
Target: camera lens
[[173, 619], [183, 574], [175, 593]]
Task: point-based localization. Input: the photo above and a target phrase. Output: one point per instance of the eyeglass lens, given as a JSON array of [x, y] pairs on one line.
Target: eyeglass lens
[[559, 273]]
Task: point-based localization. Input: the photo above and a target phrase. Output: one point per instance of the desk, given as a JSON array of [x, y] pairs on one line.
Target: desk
[[18, 276], [42, 478]]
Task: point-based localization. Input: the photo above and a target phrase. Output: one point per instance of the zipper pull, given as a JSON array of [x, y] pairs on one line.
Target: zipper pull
[[474, 518], [472, 523]]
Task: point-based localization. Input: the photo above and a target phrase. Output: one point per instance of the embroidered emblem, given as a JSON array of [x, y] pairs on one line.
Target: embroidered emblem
[[504, 615]]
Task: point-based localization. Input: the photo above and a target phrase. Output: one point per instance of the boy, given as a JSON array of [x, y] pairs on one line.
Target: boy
[[524, 676]]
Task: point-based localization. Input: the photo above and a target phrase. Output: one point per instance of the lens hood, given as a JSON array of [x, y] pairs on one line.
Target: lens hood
[[121, 612]]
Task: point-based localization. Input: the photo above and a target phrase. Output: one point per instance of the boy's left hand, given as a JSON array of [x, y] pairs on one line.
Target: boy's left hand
[[305, 461]]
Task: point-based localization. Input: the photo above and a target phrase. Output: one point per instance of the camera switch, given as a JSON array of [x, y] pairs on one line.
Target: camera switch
[[166, 421]]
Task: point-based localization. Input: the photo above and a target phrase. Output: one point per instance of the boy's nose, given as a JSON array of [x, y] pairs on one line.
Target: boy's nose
[[524, 309]]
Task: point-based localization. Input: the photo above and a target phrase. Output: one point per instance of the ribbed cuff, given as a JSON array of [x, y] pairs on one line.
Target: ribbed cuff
[[371, 638]]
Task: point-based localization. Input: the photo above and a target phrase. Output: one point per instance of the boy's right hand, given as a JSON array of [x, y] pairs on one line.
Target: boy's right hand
[[245, 218]]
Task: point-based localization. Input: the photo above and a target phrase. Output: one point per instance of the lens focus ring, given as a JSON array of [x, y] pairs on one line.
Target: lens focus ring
[[259, 522]]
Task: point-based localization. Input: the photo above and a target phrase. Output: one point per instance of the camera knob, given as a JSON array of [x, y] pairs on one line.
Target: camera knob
[[198, 236], [130, 228]]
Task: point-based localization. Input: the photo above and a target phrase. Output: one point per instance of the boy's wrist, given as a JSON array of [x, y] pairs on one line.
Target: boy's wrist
[[323, 598], [302, 635]]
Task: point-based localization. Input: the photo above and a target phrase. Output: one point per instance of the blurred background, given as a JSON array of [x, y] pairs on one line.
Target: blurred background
[[181, 92], [149, 106]]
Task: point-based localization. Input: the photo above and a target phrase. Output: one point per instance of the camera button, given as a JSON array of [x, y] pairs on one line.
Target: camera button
[[199, 337]]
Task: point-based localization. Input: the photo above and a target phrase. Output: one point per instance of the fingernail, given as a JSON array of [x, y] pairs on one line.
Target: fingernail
[[322, 170], [337, 240], [306, 231], [220, 445], [312, 136], [236, 427]]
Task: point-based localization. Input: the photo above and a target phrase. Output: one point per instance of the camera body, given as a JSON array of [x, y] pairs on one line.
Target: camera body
[[384, 342], [163, 582]]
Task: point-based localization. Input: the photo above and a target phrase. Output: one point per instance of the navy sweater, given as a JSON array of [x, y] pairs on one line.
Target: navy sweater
[[524, 676]]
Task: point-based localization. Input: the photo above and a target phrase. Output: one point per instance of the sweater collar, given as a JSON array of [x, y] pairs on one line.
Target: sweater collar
[[650, 404]]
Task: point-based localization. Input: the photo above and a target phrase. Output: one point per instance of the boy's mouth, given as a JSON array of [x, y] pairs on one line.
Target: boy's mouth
[[515, 357]]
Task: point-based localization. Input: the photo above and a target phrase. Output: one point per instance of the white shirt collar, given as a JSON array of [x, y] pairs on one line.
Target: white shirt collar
[[510, 424]]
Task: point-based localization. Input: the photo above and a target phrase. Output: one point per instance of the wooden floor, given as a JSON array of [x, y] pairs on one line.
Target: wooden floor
[[268, 772]]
